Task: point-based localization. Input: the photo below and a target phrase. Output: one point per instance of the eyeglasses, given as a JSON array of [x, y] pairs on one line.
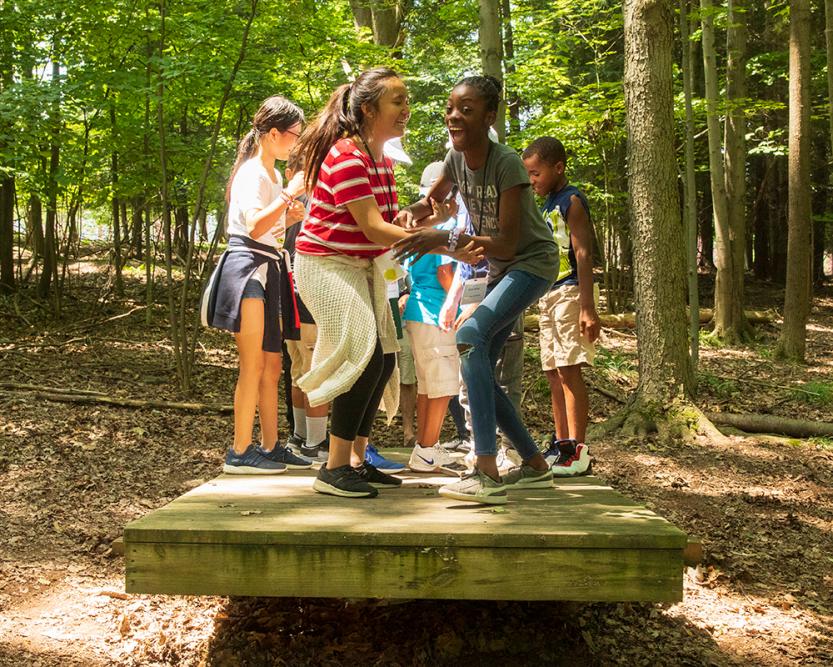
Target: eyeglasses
[[294, 134]]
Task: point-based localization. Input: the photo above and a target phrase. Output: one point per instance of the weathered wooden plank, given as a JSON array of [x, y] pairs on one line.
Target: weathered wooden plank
[[284, 510], [406, 572]]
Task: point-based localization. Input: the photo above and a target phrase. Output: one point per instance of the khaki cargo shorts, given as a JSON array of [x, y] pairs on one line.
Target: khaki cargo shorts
[[559, 332]]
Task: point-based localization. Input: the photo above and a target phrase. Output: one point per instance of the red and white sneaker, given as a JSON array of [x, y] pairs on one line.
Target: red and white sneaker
[[573, 460]]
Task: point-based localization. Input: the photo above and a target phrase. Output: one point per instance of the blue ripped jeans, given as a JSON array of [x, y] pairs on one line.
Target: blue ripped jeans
[[485, 333]]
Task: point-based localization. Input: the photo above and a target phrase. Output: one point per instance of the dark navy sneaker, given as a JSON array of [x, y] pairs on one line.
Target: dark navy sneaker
[[286, 456], [376, 478], [343, 481], [251, 462], [317, 453], [374, 458], [295, 442], [553, 452]]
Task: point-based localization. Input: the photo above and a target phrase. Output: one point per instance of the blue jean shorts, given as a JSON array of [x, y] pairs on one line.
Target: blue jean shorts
[[253, 289]]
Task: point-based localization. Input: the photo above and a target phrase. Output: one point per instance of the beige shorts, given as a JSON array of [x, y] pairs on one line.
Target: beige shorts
[[559, 331], [300, 351], [436, 359]]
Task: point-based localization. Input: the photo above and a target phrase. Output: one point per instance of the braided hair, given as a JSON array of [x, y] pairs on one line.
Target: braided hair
[[488, 87]]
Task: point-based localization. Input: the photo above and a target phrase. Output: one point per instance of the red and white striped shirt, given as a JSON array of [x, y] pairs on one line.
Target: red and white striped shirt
[[347, 175]]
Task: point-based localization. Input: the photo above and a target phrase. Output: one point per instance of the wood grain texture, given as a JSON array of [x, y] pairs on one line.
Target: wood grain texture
[[580, 540]]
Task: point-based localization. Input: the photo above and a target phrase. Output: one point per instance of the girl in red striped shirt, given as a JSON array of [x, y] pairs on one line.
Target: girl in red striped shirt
[[349, 225]]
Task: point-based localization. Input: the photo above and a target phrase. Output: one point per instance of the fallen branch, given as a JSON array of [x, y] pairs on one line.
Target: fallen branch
[[753, 423], [86, 396], [628, 320]]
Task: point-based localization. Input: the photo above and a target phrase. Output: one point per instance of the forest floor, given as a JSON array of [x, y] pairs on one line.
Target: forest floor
[[72, 475]]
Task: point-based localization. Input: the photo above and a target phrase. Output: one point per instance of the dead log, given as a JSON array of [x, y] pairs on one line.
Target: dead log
[[628, 320], [86, 396], [753, 423]]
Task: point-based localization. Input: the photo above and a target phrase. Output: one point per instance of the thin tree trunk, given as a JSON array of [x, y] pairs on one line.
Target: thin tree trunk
[[513, 103], [149, 257], [50, 253], [7, 182], [792, 342], [7, 197], [658, 249], [491, 54], [690, 190], [114, 202], [828, 34], [734, 326], [723, 288]]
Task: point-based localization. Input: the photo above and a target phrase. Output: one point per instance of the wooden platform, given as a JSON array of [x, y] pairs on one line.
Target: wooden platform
[[274, 536]]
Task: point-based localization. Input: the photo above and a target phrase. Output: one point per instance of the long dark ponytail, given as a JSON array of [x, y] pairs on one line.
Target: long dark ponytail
[[275, 112], [342, 116]]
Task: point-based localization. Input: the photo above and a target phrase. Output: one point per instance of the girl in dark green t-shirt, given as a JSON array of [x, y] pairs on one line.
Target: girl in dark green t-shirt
[[510, 231]]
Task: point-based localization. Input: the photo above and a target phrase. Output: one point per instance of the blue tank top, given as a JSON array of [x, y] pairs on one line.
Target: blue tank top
[[555, 210]]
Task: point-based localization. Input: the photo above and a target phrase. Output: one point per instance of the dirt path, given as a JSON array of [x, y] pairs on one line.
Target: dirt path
[[72, 475]]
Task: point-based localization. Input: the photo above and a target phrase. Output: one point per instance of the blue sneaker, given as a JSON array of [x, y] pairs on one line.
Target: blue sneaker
[[374, 458], [286, 456], [251, 462]]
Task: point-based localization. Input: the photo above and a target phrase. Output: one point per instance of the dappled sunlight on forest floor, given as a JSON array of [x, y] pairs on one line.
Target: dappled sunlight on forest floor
[[71, 476]]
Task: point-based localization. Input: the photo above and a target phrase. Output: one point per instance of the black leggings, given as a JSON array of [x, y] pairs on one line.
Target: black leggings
[[354, 411]]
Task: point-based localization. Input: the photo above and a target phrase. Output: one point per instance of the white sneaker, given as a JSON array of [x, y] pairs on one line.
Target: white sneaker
[[506, 459], [434, 459]]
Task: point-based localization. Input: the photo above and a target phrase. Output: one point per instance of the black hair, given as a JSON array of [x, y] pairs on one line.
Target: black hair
[[487, 86], [342, 116], [548, 149], [276, 112]]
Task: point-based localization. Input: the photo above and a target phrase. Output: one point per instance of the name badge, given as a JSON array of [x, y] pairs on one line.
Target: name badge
[[393, 290], [474, 291]]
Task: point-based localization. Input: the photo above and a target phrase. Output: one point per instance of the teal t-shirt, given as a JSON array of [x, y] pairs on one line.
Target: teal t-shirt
[[427, 295]]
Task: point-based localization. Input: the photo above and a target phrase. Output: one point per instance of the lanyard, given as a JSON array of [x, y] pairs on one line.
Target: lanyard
[[483, 192], [389, 199]]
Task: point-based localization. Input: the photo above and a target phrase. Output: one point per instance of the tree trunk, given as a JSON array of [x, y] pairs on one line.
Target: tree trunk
[[828, 33], [383, 17], [491, 54], [7, 194], [731, 318], [513, 103], [7, 182], [50, 252], [706, 217], [658, 249], [791, 343], [114, 203], [763, 203], [723, 288], [690, 190]]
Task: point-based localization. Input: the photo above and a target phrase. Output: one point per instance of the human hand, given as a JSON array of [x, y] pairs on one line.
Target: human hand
[[405, 219], [403, 301], [468, 311], [471, 253], [589, 324], [442, 210], [295, 212], [296, 185], [419, 242]]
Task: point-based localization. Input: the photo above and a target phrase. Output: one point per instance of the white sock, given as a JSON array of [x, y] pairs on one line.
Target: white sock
[[300, 416], [421, 446], [316, 428]]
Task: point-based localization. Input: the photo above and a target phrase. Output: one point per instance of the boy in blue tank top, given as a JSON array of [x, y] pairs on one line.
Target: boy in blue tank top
[[569, 324]]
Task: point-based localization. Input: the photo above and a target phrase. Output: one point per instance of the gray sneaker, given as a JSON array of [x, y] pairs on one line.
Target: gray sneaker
[[527, 477], [476, 487]]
